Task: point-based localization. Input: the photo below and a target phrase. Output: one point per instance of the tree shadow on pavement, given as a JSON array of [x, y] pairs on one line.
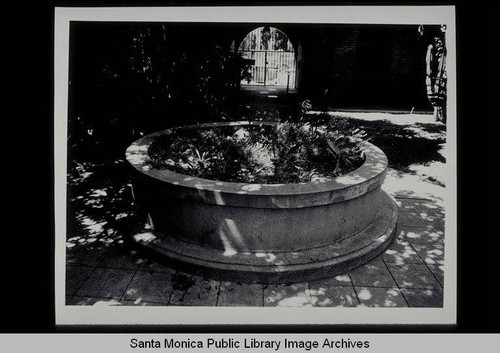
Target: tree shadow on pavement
[[404, 145]]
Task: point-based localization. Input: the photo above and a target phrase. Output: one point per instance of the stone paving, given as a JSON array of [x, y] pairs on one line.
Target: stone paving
[[101, 269], [409, 274]]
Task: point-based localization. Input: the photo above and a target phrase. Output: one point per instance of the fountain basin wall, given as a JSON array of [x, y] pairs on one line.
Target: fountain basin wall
[[237, 218]]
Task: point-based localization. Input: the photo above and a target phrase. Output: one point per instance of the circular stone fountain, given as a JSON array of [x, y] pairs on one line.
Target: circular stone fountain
[[263, 233]]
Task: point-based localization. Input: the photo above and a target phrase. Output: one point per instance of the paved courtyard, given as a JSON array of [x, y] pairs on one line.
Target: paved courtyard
[[102, 269]]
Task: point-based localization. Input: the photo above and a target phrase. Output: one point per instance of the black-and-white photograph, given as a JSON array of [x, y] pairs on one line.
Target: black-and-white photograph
[[263, 160]]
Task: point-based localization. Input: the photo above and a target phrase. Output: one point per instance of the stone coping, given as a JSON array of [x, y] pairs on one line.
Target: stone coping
[[322, 192]]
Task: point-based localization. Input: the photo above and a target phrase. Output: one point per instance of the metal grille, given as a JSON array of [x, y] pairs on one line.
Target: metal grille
[[270, 68]]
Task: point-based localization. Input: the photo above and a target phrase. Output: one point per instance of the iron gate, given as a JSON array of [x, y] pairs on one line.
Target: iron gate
[[270, 67]]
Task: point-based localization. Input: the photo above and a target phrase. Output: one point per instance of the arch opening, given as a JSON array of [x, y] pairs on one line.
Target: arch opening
[[270, 57]]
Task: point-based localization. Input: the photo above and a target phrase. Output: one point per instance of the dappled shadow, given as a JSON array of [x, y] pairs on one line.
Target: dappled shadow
[[432, 254], [372, 274], [412, 185], [414, 276], [100, 210], [430, 211], [380, 297], [404, 145], [331, 292], [300, 295], [334, 297], [401, 252], [291, 295], [432, 128], [424, 298], [99, 207], [416, 235]]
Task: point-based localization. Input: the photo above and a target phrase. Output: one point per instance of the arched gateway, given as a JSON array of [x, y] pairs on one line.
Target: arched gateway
[[270, 56]]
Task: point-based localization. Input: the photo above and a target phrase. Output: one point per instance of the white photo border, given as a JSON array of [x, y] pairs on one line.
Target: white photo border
[[123, 315]]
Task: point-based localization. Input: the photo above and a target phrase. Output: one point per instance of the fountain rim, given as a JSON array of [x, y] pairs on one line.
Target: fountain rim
[[371, 172]]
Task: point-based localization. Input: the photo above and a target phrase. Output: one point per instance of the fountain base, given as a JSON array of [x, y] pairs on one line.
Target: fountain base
[[276, 267]]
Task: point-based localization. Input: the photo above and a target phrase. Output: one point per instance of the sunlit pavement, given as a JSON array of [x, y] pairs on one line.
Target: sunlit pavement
[[103, 270]]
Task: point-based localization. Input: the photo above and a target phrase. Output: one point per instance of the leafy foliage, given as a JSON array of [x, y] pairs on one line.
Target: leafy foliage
[[213, 154], [285, 153], [217, 83], [344, 144], [132, 79]]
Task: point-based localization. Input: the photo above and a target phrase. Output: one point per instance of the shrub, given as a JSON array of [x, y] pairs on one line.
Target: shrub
[[285, 153]]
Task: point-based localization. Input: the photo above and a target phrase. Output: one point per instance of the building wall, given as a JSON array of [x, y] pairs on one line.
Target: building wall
[[363, 66], [340, 66]]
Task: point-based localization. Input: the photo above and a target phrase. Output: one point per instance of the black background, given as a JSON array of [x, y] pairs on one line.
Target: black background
[[27, 236]]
